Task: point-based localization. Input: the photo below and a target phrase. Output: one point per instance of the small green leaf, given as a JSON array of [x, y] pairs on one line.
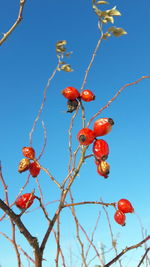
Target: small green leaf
[[66, 67]]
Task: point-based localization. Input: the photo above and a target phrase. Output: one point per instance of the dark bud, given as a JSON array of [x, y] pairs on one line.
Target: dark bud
[[72, 105], [111, 121]]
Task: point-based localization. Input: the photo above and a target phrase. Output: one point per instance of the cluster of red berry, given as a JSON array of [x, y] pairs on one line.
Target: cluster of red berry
[[87, 136], [73, 95], [25, 201], [26, 164], [124, 206]]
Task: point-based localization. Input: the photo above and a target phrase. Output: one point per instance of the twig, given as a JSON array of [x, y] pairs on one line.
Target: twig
[[115, 96], [90, 202], [92, 237], [91, 243], [145, 254], [42, 104], [113, 241], [126, 250], [45, 141], [77, 231], [19, 19], [91, 62]]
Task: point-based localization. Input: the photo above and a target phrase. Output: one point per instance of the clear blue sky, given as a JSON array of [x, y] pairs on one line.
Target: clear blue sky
[[27, 59]]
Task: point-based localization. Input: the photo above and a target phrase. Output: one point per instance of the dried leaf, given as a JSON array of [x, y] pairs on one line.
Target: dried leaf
[[108, 19], [106, 35], [117, 32], [113, 12], [61, 43], [102, 2], [60, 49], [66, 67], [97, 11]]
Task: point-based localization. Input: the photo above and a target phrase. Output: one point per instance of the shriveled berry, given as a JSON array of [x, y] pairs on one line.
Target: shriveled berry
[[72, 105], [25, 201], [103, 168], [24, 165], [125, 206], [85, 136], [102, 126], [120, 217], [100, 149], [70, 93], [28, 152], [34, 169], [87, 95]]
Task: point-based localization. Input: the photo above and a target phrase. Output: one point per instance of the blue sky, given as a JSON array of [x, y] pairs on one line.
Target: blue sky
[[27, 60]]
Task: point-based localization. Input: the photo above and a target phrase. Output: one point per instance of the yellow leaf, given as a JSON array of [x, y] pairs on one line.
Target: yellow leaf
[[117, 32], [102, 2]]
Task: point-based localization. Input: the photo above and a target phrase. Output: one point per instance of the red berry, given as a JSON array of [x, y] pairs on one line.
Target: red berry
[[103, 168], [125, 206], [87, 95], [120, 217], [70, 93], [24, 165], [28, 152], [34, 169], [100, 149], [102, 126], [25, 201], [85, 136]]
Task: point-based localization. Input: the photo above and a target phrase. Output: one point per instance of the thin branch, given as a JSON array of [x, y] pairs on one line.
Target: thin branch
[[19, 247], [90, 202], [19, 19], [115, 96], [113, 241], [92, 237], [78, 232], [91, 62], [42, 104], [145, 255], [45, 141], [126, 250], [91, 243]]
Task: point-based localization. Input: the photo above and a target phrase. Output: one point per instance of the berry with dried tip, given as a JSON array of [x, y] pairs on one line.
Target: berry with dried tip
[[70, 93], [125, 206], [72, 105], [103, 126], [120, 217], [87, 95], [24, 165], [34, 169], [25, 201], [100, 149], [28, 152], [85, 136], [103, 168]]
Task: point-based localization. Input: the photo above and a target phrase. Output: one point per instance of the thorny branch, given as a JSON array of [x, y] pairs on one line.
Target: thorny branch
[[19, 19]]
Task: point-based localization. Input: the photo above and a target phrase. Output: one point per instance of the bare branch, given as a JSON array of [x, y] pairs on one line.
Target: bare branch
[[115, 96], [126, 250], [19, 19]]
